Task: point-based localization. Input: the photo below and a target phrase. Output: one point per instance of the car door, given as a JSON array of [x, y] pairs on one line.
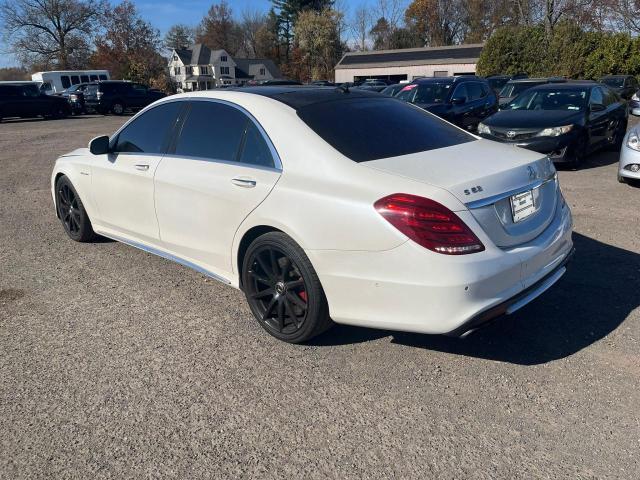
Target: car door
[[461, 113], [598, 120], [222, 167], [122, 181], [10, 100], [138, 96]]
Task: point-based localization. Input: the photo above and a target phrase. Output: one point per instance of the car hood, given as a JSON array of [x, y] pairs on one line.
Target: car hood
[[78, 152], [533, 118], [471, 171]]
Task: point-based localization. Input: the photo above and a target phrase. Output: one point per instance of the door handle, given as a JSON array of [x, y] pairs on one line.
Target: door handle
[[243, 182], [142, 167]]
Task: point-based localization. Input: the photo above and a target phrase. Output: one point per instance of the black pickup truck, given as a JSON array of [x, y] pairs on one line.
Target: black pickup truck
[[119, 96]]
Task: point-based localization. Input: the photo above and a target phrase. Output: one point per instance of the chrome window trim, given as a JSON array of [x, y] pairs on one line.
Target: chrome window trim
[[501, 196], [272, 149]]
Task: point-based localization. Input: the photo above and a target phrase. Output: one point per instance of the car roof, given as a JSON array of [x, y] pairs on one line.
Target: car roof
[[298, 97], [455, 79], [567, 85]]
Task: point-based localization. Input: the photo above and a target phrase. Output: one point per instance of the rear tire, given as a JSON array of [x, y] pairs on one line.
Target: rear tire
[[71, 212], [283, 289], [118, 108], [618, 138]]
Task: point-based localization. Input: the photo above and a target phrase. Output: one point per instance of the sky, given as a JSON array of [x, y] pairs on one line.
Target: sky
[[164, 13]]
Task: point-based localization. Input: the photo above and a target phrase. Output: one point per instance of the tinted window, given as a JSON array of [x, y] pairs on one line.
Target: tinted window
[[66, 83], [255, 150], [366, 129], [615, 82], [139, 88], [94, 78], [9, 91], [475, 91], [84, 78], [609, 97], [425, 93], [462, 92], [30, 91], [75, 79], [212, 130], [92, 90], [561, 99], [102, 77], [149, 133], [596, 97]]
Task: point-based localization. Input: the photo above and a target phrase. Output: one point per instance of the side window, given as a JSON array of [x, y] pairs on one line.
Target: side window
[[608, 96], [30, 91], [212, 130], [75, 79], [461, 92], [66, 83], [596, 97], [139, 88], [84, 78], [475, 91], [94, 78], [255, 150], [9, 91], [149, 133], [102, 77]]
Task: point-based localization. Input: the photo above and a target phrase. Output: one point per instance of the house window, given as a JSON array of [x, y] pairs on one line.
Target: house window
[[262, 71], [204, 70], [175, 58], [188, 70], [223, 58], [177, 69], [224, 70], [441, 73]]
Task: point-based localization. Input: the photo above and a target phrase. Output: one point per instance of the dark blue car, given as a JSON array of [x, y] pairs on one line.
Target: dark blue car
[[464, 101]]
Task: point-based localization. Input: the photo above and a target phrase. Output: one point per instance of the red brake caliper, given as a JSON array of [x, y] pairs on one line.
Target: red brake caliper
[[303, 295]]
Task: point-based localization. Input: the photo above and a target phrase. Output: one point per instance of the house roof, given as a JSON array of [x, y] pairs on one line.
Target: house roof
[[244, 67], [199, 54], [412, 56]]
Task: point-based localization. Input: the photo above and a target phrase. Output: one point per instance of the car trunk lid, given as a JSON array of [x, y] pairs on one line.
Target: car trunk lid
[[484, 175]]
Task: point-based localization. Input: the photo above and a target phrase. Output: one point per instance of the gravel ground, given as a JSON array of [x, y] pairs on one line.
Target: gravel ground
[[116, 363]]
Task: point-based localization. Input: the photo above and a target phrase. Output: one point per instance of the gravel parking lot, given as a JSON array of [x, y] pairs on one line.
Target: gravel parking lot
[[116, 363]]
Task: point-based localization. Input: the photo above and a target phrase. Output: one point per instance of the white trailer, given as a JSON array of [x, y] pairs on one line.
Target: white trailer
[[59, 80]]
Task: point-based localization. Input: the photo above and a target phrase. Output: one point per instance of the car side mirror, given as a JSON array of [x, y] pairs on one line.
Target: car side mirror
[[99, 145], [597, 107], [459, 100]]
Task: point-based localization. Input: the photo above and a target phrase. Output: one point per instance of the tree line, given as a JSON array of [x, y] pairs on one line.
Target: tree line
[[306, 38]]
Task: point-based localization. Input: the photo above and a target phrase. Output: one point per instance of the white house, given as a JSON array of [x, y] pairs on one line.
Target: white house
[[200, 68]]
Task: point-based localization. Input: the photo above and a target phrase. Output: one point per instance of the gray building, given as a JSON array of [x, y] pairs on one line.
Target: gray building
[[409, 63]]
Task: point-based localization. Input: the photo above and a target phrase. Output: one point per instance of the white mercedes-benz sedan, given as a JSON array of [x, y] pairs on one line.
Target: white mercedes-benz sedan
[[326, 205]]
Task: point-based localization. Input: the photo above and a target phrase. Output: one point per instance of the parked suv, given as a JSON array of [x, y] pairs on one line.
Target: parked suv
[[75, 96], [515, 87], [119, 96], [464, 100], [623, 85], [26, 100]]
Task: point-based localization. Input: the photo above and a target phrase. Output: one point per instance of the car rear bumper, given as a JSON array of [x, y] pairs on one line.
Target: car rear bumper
[[413, 289]]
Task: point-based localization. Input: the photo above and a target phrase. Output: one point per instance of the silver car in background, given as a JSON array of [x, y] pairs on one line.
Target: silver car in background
[[629, 166]]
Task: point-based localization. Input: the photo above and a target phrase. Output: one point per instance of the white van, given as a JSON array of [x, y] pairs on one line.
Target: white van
[[59, 80]]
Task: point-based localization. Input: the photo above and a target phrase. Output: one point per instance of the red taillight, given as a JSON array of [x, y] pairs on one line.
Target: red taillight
[[429, 224]]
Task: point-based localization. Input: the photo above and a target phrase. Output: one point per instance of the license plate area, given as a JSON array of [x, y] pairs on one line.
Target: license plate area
[[522, 206]]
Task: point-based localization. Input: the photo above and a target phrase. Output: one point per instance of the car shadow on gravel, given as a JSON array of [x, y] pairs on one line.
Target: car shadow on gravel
[[597, 294]]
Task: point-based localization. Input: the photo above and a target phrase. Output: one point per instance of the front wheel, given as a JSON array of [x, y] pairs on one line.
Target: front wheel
[[283, 289], [71, 212]]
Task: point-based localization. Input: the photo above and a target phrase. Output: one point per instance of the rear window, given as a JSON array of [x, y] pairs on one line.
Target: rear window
[[365, 129], [102, 77]]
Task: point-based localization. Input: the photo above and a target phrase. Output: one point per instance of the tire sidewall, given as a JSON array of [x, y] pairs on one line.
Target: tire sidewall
[[317, 308], [85, 231]]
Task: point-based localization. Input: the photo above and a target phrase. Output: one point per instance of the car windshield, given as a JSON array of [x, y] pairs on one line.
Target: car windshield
[[425, 92], [561, 99], [613, 81], [365, 129], [515, 89], [391, 90]]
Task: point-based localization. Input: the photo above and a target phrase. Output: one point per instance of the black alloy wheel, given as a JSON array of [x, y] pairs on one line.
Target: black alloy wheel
[[118, 108], [71, 212], [283, 290]]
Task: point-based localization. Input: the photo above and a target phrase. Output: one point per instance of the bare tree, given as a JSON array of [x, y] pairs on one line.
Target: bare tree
[[360, 26], [391, 10], [51, 32], [251, 23]]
